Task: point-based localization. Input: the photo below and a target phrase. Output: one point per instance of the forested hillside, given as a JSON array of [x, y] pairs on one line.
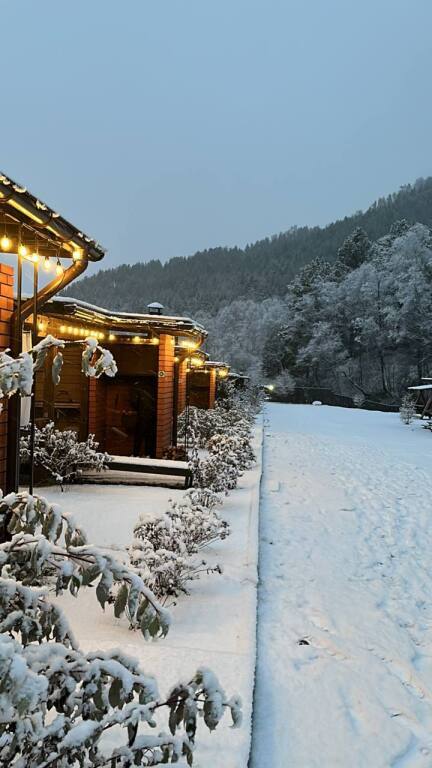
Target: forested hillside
[[361, 326], [214, 278]]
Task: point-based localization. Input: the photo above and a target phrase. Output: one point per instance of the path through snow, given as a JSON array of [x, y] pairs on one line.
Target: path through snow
[[344, 674]]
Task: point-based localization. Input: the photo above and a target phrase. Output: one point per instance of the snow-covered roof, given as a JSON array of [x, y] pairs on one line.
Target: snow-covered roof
[[422, 386], [29, 208], [130, 316]]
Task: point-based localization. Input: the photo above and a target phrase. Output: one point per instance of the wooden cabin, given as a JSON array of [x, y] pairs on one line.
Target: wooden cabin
[[134, 413], [31, 234], [203, 380]]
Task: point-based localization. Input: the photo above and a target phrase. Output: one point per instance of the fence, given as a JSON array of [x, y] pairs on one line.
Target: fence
[[305, 395]]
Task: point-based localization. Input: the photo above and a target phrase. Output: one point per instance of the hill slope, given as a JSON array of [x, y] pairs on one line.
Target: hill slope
[[218, 276]]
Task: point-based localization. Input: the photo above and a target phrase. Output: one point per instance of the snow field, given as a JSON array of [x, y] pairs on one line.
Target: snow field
[[344, 674]]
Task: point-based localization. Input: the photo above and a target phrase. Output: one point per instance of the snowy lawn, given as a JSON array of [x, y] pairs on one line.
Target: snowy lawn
[[214, 627], [344, 673]]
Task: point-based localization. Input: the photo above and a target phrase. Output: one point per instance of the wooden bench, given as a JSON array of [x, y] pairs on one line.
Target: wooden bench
[[139, 466], [152, 467]]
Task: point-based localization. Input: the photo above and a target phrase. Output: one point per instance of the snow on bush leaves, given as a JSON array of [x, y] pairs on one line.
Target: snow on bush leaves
[[61, 453], [164, 550], [56, 703]]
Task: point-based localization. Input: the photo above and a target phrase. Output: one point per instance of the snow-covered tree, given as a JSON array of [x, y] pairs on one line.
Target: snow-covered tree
[[366, 329], [62, 454], [407, 411]]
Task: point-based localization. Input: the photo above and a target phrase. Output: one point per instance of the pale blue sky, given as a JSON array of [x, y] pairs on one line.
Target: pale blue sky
[[162, 127]]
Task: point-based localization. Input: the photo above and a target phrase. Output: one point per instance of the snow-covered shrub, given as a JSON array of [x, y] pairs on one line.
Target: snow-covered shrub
[[46, 546], [217, 472], [229, 454], [56, 703], [166, 571], [407, 411], [359, 399], [62, 454], [226, 433], [164, 548], [200, 524], [204, 497], [236, 410], [200, 424], [317, 402], [236, 446]]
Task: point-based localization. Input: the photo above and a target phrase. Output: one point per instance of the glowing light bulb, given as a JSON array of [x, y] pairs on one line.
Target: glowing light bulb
[[111, 337], [35, 257], [77, 254], [5, 243], [23, 250], [59, 268], [47, 264]]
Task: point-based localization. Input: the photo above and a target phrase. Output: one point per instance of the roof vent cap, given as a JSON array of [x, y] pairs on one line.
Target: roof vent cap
[[155, 308]]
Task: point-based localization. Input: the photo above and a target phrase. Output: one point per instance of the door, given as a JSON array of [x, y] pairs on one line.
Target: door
[[131, 416]]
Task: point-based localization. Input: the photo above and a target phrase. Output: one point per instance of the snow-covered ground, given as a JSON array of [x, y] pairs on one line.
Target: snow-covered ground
[[214, 627], [344, 674]]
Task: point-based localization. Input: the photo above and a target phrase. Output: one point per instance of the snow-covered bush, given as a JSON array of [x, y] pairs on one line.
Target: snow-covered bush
[[44, 545], [199, 522], [204, 497], [164, 549], [226, 433], [56, 703], [200, 424], [359, 399], [216, 472], [236, 410], [407, 411], [62, 454], [229, 454]]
